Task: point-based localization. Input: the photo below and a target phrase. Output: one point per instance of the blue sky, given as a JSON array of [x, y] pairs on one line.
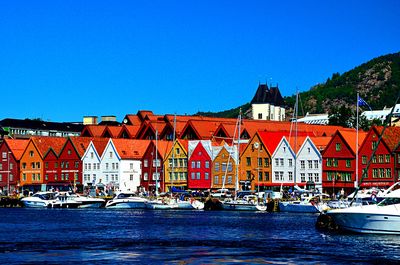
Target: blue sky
[[61, 60]]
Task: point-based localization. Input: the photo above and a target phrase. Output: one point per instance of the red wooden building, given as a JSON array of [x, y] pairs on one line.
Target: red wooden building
[[381, 172], [11, 151], [339, 161], [199, 165]]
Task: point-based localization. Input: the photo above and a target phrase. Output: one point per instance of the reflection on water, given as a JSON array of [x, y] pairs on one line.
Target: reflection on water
[[105, 236]]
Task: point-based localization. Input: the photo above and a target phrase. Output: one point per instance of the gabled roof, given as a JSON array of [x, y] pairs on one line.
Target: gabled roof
[[320, 142], [131, 149], [192, 145], [113, 131], [17, 146], [163, 147], [80, 144], [391, 136], [93, 130], [100, 144], [132, 119], [267, 95], [350, 138], [44, 144], [130, 130]]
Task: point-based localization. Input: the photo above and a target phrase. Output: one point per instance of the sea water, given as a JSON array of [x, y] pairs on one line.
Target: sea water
[[104, 236]]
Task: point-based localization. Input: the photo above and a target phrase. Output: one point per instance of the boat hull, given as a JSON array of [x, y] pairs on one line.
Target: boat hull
[[34, 204], [232, 206], [367, 219], [297, 207], [126, 204]]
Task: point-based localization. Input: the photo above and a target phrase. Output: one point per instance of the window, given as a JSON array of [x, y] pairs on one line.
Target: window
[[310, 162], [248, 161], [310, 177], [31, 153], [206, 175], [290, 176], [145, 163], [335, 162], [76, 164], [216, 166], [207, 164], [193, 164], [131, 177], [197, 175], [277, 162], [55, 176], [145, 176], [223, 167], [338, 147], [24, 165], [375, 173], [316, 177], [24, 177], [229, 180], [316, 164], [387, 159], [260, 116], [374, 145], [380, 157], [106, 166], [66, 176], [266, 175], [215, 179], [328, 162], [388, 173], [32, 165], [91, 155], [303, 177], [374, 159], [1, 177], [66, 164], [259, 162], [290, 161], [76, 176], [230, 167], [69, 152], [281, 162], [276, 175], [111, 154], [193, 175], [348, 163], [266, 162], [177, 151], [302, 164], [4, 155], [364, 160], [56, 165], [198, 164], [260, 176]]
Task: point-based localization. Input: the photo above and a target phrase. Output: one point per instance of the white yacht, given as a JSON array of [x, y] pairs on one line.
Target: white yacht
[[308, 203], [64, 200], [161, 204], [127, 200], [248, 203], [381, 218], [39, 200], [87, 201]]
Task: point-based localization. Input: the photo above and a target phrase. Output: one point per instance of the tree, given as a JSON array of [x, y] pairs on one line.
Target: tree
[[342, 116]]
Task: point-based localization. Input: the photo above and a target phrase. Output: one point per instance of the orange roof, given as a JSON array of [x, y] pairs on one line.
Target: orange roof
[[131, 149], [17, 146], [350, 138], [164, 147], [80, 144], [272, 139], [100, 145], [95, 130], [321, 141], [391, 136], [113, 130], [133, 119], [44, 144], [132, 130]]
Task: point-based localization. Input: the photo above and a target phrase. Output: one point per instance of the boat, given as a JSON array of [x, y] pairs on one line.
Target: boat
[[39, 200], [308, 203], [161, 204], [127, 200], [244, 204], [63, 200], [381, 218], [191, 204], [87, 201]]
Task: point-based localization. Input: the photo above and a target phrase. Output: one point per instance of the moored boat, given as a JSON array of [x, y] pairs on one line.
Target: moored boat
[[39, 200], [127, 200]]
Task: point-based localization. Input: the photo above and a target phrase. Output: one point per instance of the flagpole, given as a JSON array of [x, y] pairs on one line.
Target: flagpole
[[356, 183]]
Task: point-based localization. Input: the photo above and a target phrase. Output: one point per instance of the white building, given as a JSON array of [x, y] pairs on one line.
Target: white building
[[283, 159], [381, 114], [308, 163], [321, 119], [91, 161], [267, 104]]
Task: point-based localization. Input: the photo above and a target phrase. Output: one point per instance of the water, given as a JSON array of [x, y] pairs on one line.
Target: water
[[103, 236]]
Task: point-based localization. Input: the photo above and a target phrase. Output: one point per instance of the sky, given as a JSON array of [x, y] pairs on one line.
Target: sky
[[62, 60]]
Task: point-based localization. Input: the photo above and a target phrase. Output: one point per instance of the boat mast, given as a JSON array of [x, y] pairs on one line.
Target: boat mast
[[295, 134], [156, 164], [356, 182], [238, 153], [173, 155]]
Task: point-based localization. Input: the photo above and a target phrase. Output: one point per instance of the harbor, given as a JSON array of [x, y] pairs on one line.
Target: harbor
[[115, 236]]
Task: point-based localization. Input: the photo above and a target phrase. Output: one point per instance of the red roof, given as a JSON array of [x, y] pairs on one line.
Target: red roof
[[391, 136], [131, 149], [43, 144], [100, 144], [272, 139], [80, 144], [17, 146]]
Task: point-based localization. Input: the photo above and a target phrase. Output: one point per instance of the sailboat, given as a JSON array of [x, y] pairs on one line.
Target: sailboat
[[240, 204], [160, 203], [309, 202]]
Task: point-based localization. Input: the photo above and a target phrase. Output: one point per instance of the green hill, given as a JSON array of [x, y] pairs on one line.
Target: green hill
[[377, 81]]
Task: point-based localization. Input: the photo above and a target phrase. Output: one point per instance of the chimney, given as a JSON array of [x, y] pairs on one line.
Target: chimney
[[89, 120], [108, 118]]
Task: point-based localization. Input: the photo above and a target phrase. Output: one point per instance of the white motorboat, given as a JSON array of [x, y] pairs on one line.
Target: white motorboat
[[87, 201], [127, 200], [248, 203], [39, 200], [307, 204], [381, 218], [191, 204], [161, 204], [64, 200]]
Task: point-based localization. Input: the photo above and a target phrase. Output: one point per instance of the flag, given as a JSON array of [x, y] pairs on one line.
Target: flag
[[363, 103]]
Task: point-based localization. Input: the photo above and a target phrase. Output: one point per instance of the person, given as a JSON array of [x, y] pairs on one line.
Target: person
[[342, 193]]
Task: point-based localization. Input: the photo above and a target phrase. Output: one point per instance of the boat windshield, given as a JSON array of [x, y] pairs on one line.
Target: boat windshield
[[389, 201], [44, 196]]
